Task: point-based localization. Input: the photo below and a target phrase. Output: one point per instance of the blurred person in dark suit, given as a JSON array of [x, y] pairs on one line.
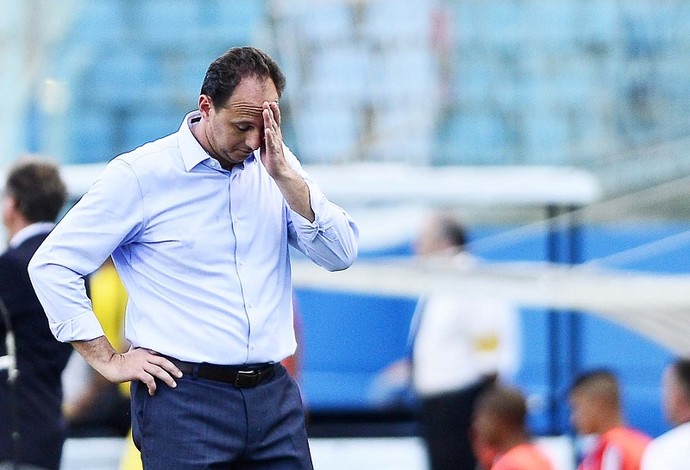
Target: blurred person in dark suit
[[32, 429]]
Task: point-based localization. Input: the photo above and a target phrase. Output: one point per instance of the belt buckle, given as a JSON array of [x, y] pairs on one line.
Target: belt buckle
[[246, 378]]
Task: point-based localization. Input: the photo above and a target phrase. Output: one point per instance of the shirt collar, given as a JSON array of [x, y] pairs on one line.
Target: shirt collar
[[190, 148], [29, 231]]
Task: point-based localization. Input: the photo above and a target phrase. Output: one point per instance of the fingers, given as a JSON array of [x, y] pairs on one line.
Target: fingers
[[150, 383], [272, 154], [165, 365], [271, 115], [159, 373], [152, 367], [276, 112], [273, 139]]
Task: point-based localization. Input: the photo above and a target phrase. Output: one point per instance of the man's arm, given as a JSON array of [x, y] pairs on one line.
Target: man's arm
[[109, 214], [323, 231], [291, 184], [136, 364]]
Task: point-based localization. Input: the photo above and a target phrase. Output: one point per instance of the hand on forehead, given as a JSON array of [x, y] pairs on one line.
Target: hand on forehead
[[247, 101]]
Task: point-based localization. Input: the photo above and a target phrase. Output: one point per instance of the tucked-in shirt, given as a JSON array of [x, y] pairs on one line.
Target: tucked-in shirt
[[203, 253], [670, 451]]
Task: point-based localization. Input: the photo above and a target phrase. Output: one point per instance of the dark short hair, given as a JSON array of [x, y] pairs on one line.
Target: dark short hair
[[506, 404], [37, 189], [451, 229], [591, 376], [598, 382], [226, 72]]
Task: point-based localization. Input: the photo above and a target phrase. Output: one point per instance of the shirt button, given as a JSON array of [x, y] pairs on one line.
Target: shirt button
[[249, 305]]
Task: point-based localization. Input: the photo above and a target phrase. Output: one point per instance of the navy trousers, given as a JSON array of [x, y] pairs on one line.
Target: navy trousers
[[204, 424]]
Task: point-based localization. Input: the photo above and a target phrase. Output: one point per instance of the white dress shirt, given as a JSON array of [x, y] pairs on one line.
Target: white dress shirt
[[203, 253], [460, 339], [670, 451]]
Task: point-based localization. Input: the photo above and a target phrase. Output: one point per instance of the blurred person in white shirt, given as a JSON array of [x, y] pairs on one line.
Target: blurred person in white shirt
[[459, 346], [671, 451]]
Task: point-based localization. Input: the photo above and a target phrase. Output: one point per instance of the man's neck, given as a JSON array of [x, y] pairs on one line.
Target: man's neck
[[15, 226], [198, 130], [611, 422], [29, 231], [514, 440], [683, 417]]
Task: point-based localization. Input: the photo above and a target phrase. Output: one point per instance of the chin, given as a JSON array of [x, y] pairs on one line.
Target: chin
[[238, 157]]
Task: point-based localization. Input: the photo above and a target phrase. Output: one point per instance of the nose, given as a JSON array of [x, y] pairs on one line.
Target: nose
[[254, 139]]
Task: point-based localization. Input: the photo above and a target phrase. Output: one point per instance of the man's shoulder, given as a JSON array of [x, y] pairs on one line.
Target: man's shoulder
[[152, 154], [627, 443], [672, 439], [17, 257], [524, 456], [9, 260], [13, 265], [627, 435]]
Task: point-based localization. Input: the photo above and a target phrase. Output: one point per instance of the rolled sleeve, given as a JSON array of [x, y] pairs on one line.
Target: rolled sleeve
[[332, 239], [84, 326], [108, 214]]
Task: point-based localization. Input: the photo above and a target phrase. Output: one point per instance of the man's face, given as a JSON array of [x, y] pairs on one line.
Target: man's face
[[236, 129], [9, 210], [429, 241], [583, 413]]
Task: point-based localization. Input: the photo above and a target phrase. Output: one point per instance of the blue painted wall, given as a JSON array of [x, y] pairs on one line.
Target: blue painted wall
[[347, 339]]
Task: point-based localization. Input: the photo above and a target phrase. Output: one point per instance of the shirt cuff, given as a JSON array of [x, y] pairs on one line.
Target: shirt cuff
[[84, 327], [319, 204]]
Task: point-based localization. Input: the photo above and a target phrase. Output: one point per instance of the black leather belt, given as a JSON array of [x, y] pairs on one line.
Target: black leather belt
[[240, 376]]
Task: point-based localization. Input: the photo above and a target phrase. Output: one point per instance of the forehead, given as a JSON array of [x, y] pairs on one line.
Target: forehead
[[251, 92]]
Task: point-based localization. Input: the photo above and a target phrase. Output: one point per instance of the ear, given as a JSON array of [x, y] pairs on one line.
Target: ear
[[9, 210], [9, 203], [205, 106]]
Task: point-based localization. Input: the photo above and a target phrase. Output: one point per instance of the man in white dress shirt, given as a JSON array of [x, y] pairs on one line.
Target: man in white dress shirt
[[198, 224], [671, 451], [459, 347]]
